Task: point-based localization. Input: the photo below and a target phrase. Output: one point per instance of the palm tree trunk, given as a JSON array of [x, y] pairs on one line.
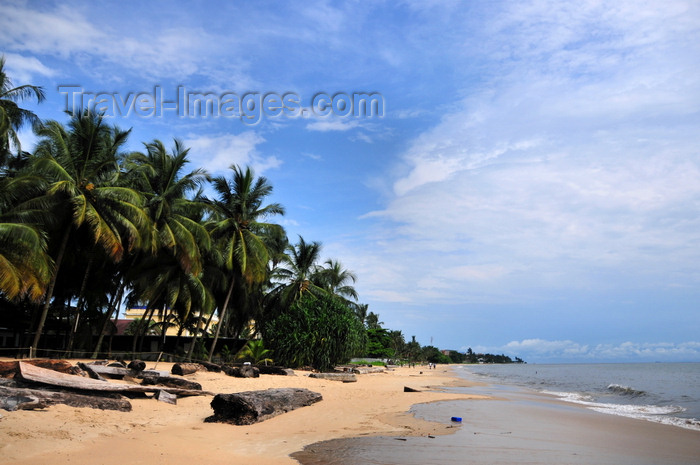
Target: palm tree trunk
[[142, 328], [221, 320], [49, 292], [196, 334], [81, 302], [112, 306]]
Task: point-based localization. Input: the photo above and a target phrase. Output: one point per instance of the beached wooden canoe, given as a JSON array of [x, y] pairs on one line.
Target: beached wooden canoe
[[54, 378]]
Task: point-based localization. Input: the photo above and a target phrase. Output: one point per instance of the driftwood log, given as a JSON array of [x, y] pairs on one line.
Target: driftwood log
[[246, 408], [275, 370], [211, 366], [245, 371], [171, 381], [120, 372], [13, 398], [137, 365], [344, 377], [186, 368], [366, 370], [53, 378], [89, 370], [11, 368]]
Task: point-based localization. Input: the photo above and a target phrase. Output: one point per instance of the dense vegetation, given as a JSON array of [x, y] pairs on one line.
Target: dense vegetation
[[87, 227]]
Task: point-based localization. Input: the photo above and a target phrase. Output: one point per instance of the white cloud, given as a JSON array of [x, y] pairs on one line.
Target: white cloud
[[335, 124], [576, 163], [542, 350], [216, 153], [22, 68]]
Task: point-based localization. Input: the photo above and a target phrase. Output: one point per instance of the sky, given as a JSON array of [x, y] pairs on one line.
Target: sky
[[527, 182]]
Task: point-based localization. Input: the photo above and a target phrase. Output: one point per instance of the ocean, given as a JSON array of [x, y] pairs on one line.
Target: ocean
[[661, 392], [546, 414]]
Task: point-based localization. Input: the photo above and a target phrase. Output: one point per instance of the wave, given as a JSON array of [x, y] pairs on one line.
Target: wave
[[656, 413], [625, 390]]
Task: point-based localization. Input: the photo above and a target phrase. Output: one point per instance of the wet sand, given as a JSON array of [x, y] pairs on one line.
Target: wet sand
[[519, 427]]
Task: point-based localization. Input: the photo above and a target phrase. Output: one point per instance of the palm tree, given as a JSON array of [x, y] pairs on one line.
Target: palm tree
[[12, 117], [25, 266], [336, 280], [239, 228], [157, 174], [175, 219], [372, 321], [255, 352], [296, 274], [169, 289], [81, 166]]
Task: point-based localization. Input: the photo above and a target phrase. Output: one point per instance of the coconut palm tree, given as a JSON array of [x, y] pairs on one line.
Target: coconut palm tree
[[296, 273], [25, 266], [158, 175], [239, 228], [80, 163], [12, 117], [336, 280]]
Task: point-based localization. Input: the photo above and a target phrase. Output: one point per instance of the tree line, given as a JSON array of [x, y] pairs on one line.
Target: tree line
[[87, 227]]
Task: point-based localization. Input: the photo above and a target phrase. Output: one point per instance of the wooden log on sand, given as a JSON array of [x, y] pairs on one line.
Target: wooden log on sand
[[344, 377], [367, 370], [275, 370], [245, 371], [10, 368], [137, 365], [52, 378], [12, 398], [171, 381], [246, 408], [91, 373], [186, 368], [211, 366]]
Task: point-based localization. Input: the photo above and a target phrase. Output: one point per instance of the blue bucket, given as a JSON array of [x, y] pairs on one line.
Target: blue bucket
[[457, 419]]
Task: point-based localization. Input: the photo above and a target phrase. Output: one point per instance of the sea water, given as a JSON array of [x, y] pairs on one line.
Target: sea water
[[661, 392], [491, 434]]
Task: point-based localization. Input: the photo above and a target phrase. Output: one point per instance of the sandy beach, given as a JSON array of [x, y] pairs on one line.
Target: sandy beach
[[504, 427], [158, 433]]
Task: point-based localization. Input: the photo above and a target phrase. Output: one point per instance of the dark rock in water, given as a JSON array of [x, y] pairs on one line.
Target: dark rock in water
[[246, 408]]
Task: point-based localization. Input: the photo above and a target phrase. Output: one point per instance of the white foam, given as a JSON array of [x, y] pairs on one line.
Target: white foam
[[655, 413]]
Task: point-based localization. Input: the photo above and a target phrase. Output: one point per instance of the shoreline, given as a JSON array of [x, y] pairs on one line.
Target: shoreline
[[154, 432], [520, 426]]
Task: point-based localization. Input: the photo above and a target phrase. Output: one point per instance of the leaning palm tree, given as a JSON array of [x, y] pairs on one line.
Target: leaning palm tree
[[25, 266], [336, 279], [12, 117], [238, 226], [80, 163]]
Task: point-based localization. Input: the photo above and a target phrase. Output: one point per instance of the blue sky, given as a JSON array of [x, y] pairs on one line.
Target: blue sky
[[532, 187]]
